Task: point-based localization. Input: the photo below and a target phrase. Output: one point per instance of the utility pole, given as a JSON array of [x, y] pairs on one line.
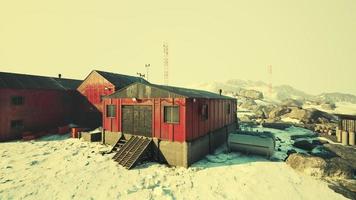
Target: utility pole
[[270, 87], [147, 69], [165, 62]]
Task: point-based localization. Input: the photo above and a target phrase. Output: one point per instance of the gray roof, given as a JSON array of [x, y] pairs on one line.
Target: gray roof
[[148, 90], [120, 80], [25, 81]]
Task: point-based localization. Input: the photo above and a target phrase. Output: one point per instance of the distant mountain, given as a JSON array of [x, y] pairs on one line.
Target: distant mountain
[[235, 86], [337, 97], [279, 93]]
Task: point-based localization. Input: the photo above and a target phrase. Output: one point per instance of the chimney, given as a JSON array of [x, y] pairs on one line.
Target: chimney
[[220, 91], [59, 75]]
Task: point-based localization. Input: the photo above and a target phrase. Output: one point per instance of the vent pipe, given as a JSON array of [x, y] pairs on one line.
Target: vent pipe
[[59, 75], [220, 91]]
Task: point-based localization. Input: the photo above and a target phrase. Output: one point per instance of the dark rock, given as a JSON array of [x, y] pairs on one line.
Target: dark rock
[[295, 137], [322, 152], [304, 144], [319, 142], [281, 126], [345, 152], [291, 151]]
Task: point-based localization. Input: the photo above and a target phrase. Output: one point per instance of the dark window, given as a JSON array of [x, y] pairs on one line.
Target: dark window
[[228, 109], [111, 111], [171, 114], [16, 124], [101, 98], [17, 100], [204, 112]]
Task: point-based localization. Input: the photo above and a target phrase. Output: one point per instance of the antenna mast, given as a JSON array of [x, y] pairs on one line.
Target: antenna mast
[[165, 62], [270, 87], [147, 66]]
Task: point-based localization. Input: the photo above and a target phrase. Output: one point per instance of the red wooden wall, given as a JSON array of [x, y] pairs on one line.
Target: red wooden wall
[[42, 109], [190, 126], [93, 88]]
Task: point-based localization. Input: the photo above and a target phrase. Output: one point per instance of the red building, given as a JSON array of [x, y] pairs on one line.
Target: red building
[[186, 124], [34, 103], [94, 87]]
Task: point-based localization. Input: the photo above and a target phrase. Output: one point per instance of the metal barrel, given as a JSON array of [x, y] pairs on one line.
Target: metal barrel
[[345, 138], [352, 138], [338, 135]]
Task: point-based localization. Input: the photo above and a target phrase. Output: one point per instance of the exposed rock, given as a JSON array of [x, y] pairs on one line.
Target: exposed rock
[[280, 126], [310, 116], [252, 94], [328, 106], [322, 152], [278, 111], [319, 167], [313, 166], [345, 152], [249, 104], [319, 142], [304, 144], [292, 103]]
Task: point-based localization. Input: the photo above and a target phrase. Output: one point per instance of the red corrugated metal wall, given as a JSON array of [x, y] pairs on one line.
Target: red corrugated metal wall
[[42, 109], [164, 131], [190, 126], [218, 116]]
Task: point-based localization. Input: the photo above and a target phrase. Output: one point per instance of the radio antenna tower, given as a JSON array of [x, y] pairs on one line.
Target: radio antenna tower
[[165, 62], [147, 68], [270, 87]]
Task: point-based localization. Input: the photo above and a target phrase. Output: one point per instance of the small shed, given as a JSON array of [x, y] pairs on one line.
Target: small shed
[[185, 124], [34, 103], [94, 87]]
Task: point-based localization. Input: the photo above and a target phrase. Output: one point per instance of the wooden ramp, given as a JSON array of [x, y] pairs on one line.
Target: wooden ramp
[[132, 151]]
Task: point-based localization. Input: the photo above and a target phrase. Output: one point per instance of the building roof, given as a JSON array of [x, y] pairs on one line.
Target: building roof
[[25, 81], [148, 90], [120, 80], [346, 117]]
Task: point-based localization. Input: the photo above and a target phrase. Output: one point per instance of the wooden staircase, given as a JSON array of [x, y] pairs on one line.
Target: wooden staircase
[[131, 151]]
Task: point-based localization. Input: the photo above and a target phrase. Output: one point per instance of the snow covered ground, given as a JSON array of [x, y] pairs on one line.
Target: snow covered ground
[[58, 167]]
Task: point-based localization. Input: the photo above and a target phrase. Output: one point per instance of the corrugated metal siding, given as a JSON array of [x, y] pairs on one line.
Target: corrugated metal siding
[[190, 126], [42, 109]]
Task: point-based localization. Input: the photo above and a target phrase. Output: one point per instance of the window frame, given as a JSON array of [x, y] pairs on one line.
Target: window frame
[[114, 112], [204, 114], [172, 112], [17, 100], [14, 124], [228, 108]]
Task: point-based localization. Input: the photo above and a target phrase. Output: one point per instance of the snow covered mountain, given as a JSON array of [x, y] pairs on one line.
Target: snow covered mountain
[[235, 86]]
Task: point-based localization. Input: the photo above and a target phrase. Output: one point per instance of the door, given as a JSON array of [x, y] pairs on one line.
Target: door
[[137, 120]]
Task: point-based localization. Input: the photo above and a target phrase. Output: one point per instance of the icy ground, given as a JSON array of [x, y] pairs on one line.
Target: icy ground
[[57, 167]]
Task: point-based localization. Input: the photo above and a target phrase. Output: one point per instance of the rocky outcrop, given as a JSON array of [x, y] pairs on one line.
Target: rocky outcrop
[[345, 152], [292, 103], [328, 106], [310, 116], [249, 104], [319, 167], [252, 94], [278, 111], [304, 144]]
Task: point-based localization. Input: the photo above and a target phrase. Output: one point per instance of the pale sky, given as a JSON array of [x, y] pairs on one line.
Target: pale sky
[[311, 44]]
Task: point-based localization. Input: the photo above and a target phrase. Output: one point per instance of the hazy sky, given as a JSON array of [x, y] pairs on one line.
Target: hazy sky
[[311, 44]]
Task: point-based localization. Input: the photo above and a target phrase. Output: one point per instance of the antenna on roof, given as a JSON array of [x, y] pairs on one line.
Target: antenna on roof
[[140, 75], [147, 66], [165, 62]]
